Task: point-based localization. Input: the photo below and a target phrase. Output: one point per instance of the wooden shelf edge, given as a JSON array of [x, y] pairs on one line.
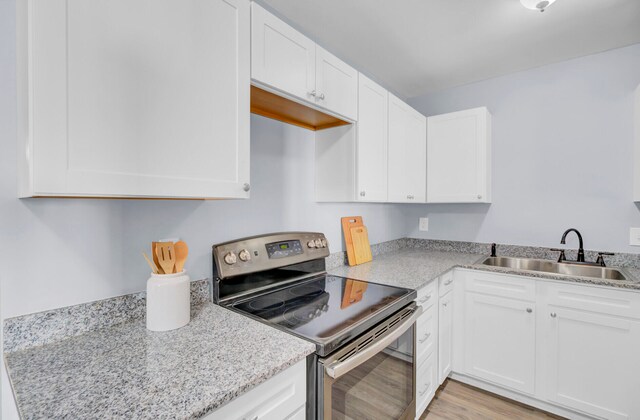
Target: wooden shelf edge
[[276, 107]]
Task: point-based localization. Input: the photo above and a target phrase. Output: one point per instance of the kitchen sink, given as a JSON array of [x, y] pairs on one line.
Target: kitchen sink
[[567, 269]]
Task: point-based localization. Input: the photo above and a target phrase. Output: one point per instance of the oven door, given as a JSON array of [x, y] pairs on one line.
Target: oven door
[[374, 376]]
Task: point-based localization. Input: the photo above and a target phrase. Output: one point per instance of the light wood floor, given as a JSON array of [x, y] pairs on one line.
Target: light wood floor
[[457, 401]]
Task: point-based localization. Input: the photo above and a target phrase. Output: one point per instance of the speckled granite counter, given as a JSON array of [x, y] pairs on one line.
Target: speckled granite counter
[[412, 268], [415, 267], [126, 371]]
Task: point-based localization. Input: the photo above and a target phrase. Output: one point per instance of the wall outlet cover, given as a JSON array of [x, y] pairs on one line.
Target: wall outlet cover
[[424, 224], [634, 236]]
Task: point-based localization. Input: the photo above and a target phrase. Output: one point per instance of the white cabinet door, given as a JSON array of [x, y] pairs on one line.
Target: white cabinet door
[[371, 150], [283, 396], [459, 157], [590, 362], [407, 163], [500, 341], [426, 382], [336, 85], [281, 57], [131, 98], [445, 336]]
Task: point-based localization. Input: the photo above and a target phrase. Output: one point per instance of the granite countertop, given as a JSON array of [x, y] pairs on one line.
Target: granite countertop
[[414, 268], [127, 371]]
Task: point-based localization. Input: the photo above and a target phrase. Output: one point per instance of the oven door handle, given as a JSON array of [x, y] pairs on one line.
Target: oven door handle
[[337, 369]]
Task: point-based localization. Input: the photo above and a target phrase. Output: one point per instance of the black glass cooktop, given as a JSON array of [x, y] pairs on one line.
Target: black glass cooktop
[[327, 310]]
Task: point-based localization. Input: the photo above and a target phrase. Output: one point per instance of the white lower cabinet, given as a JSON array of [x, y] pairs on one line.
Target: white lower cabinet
[[567, 348], [590, 361], [427, 347], [500, 336], [445, 336], [282, 397], [426, 382]]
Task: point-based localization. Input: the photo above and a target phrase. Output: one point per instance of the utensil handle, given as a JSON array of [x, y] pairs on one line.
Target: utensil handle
[[152, 265]]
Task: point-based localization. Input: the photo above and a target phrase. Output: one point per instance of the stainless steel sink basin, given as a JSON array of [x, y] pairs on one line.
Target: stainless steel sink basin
[[567, 269]]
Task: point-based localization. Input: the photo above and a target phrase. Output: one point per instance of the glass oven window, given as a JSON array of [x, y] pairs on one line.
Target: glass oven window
[[381, 388]]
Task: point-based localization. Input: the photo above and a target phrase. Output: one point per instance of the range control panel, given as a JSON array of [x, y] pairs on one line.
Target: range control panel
[[284, 249], [266, 252]]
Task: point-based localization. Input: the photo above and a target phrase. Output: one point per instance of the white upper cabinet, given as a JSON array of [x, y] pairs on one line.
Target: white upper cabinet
[[134, 98], [336, 85], [286, 61], [281, 57], [371, 149], [459, 157], [636, 146], [407, 161]]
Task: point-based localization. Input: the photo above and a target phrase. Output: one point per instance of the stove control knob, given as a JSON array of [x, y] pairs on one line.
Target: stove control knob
[[318, 243], [244, 255], [325, 308], [317, 312], [324, 242], [311, 244], [310, 316], [230, 258]]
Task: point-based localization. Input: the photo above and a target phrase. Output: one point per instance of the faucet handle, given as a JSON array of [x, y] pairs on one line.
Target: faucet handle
[[562, 257], [600, 260]]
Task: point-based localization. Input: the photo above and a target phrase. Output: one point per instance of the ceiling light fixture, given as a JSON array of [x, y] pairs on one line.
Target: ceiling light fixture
[[540, 5]]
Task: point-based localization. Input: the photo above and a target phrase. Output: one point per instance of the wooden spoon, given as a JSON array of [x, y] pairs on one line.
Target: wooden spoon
[[182, 251], [166, 256]]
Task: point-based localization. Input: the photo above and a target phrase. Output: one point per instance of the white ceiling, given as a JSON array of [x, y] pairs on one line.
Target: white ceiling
[[418, 46]]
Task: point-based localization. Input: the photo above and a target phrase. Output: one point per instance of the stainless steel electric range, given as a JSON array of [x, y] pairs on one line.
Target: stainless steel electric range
[[364, 365]]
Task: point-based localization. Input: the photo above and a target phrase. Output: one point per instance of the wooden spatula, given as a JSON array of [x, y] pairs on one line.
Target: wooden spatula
[[166, 256], [182, 251], [154, 255]]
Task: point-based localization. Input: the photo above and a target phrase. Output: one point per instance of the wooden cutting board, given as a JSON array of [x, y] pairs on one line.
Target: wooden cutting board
[[361, 247], [347, 224]]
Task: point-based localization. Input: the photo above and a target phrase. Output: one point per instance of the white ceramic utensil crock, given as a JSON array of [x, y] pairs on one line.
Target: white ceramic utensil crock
[[168, 301]]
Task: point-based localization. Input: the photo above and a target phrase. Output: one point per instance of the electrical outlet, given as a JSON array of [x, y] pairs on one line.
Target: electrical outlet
[[424, 224], [634, 236]]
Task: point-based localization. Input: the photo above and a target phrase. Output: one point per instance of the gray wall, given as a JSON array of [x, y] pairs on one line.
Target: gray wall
[[65, 252], [562, 155]]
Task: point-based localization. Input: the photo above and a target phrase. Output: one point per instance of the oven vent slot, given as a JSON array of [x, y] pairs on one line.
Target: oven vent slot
[[381, 331], [348, 355], [364, 342]]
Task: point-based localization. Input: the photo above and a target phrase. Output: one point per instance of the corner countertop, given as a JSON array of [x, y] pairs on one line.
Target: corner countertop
[[414, 268], [127, 371]]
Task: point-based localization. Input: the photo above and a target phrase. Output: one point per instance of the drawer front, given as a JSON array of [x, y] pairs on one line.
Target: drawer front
[[426, 383], [608, 301], [280, 397], [445, 284], [426, 332], [428, 294], [501, 285]]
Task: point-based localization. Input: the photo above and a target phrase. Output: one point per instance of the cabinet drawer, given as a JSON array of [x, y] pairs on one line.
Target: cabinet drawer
[[426, 383], [501, 285], [427, 295], [445, 283], [593, 299], [426, 328], [278, 398]]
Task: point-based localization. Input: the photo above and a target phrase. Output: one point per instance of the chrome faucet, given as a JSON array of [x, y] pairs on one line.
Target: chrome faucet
[[580, 246]]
